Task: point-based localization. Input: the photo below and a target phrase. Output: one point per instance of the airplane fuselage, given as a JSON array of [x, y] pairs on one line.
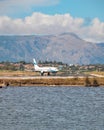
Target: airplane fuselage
[[43, 70], [48, 70]]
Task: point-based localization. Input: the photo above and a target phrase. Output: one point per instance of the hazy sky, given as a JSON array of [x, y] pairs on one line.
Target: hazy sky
[[83, 17]]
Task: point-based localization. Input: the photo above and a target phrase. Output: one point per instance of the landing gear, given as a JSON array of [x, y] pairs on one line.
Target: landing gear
[[48, 74], [42, 73]]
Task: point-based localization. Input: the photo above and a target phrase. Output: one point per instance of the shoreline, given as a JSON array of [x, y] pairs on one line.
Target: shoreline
[[84, 81]]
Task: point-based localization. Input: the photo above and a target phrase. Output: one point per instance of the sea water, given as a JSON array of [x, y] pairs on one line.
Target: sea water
[[52, 108]]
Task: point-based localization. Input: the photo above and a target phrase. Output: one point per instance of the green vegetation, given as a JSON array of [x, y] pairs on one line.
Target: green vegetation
[[64, 69], [27, 69]]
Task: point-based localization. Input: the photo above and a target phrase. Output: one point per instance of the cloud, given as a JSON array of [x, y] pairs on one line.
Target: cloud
[[11, 6], [39, 23], [94, 32], [28, 2]]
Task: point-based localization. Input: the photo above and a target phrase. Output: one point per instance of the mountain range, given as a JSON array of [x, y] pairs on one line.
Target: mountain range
[[66, 47]]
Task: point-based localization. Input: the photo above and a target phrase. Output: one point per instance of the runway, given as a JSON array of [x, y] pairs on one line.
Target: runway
[[42, 77]]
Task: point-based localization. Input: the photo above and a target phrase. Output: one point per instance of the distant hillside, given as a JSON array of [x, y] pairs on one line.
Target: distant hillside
[[101, 45], [66, 47]]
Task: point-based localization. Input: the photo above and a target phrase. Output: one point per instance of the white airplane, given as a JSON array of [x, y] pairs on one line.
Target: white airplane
[[43, 70]]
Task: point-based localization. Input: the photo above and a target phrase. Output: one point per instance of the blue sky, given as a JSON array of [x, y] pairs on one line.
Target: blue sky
[[77, 8], [83, 15]]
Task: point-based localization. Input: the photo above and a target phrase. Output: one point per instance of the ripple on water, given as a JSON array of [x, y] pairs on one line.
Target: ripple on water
[[52, 108]]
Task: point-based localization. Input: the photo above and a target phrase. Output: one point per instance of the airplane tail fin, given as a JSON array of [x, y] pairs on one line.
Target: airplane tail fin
[[35, 64]]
